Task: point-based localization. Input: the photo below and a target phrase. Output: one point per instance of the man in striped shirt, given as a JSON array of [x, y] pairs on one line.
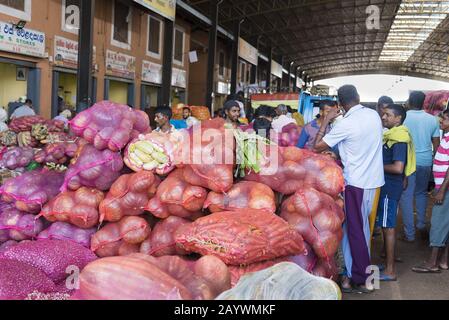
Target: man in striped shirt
[[439, 231]]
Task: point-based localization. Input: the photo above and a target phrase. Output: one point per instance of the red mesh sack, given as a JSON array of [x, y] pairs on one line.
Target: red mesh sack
[[32, 190], [129, 230], [245, 194], [239, 271], [129, 278], [154, 152], [317, 218], [208, 156], [24, 124], [298, 168], [93, 169], [58, 153], [161, 241], [128, 196], [176, 197], [201, 113], [79, 208], [108, 125], [241, 237], [179, 269]]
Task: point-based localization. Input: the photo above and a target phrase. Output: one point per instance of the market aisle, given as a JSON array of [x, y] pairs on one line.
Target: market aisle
[[410, 285]]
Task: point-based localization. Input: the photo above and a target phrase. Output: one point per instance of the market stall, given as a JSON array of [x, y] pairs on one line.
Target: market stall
[[138, 216]]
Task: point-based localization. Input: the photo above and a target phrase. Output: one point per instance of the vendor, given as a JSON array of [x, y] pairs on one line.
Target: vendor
[[282, 119], [162, 119], [232, 113], [65, 117], [24, 111], [190, 120], [308, 134]]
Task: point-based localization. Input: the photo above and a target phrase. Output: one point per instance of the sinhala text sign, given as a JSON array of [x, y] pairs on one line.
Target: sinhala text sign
[[22, 41], [66, 53], [120, 65], [166, 8], [151, 72]]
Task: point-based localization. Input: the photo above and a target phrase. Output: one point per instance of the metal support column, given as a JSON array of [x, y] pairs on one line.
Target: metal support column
[[85, 55], [290, 85], [167, 62], [254, 69], [235, 56], [212, 52], [270, 59]]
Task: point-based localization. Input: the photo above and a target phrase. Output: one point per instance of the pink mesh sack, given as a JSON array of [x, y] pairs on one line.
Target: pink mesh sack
[[108, 125], [93, 169], [32, 190], [66, 231], [19, 226]]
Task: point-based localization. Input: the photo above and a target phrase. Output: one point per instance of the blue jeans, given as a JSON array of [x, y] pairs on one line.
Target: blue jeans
[[418, 184]]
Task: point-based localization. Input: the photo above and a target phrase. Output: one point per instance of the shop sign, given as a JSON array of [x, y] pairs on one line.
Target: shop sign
[[22, 41], [120, 65], [66, 53], [276, 69], [223, 88], [166, 8], [179, 78], [248, 52], [151, 72]]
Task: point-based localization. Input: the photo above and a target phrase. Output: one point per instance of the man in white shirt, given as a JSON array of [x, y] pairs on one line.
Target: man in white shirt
[[282, 120], [190, 120], [24, 111], [359, 137]]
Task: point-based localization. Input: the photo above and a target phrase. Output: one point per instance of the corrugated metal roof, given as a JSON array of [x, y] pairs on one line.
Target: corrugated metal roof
[[329, 37]]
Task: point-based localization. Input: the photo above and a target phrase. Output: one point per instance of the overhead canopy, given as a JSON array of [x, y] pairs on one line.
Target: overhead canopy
[[329, 38]]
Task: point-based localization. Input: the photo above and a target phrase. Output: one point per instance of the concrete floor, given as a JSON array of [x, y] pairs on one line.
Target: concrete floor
[[410, 285]]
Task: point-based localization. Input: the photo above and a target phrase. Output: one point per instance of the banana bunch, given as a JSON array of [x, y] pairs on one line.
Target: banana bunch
[[147, 155], [39, 131]]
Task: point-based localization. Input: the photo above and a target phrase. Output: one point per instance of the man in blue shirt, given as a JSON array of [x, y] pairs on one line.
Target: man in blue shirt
[[397, 145], [425, 132]]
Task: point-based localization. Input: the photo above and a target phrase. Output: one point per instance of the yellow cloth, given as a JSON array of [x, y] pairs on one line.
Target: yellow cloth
[[402, 135], [373, 215], [299, 119]]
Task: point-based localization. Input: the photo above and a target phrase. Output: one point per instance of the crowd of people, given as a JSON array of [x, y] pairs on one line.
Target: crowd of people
[[387, 160], [388, 156]]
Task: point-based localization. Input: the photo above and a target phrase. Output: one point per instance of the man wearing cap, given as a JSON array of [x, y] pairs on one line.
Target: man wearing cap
[[282, 120]]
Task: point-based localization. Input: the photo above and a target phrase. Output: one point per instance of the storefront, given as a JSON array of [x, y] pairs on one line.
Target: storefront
[[20, 78], [119, 80]]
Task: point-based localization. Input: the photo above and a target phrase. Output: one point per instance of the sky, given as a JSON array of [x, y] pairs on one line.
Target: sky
[[372, 87]]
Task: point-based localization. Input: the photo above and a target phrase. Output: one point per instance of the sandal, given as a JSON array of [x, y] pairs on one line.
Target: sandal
[[425, 269], [361, 290], [387, 278], [444, 268]]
